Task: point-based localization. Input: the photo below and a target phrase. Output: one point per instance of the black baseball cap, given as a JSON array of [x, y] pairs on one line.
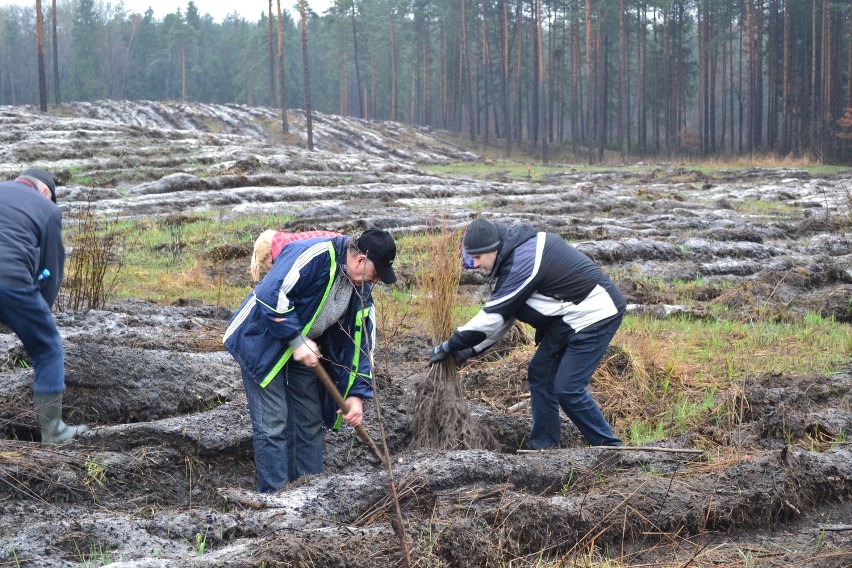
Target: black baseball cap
[[379, 247], [44, 177]]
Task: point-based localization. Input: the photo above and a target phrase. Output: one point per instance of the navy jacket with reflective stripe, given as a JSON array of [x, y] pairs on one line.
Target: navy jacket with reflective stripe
[[285, 304]]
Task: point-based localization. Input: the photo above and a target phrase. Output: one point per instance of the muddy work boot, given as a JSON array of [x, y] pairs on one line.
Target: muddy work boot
[[53, 430]]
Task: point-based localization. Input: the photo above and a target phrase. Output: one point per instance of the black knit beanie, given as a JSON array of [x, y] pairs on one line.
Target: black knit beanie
[[43, 177], [481, 236]]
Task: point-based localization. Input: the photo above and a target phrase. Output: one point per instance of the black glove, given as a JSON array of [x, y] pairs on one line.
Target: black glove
[[438, 353], [463, 355]]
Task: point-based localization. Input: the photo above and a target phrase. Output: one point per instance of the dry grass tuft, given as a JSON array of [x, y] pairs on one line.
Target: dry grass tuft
[[33, 470]]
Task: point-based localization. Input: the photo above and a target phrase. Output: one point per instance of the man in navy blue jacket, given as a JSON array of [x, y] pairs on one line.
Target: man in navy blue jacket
[[33, 259], [575, 308], [314, 307]]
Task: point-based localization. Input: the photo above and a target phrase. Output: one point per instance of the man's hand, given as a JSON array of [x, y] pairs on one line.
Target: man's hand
[[307, 354], [463, 355], [438, 353], [356, 411]]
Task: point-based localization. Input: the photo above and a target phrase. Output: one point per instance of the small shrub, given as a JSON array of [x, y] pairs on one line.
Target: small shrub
[[93, 245]]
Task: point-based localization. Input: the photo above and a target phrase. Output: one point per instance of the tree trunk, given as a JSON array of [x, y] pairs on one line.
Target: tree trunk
[[668, 87], [505, 77], [772, 84], [658, 79], [641, 63], [825, 70], [740, 109], [535, 97], [726, 71], [711, 102], [519, 67], [427, 64], [343, 76], [486, 71], [703, 75], [57, 99], [282, 91], [183, 72], [271, 43], [468, 82], [787, 76], [575, 78], [622, 80], [42, 77], [541, 117], [591, 117], [849, 71], [752, 67], [444, 87], [814, 107], [731, 82], [362, 109], [393, 65], [371, 105], [602, 80], [306, 71], [758, 75], [560, 64]]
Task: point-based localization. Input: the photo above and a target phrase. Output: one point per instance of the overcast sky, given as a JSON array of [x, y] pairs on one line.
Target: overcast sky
[[248, 9]]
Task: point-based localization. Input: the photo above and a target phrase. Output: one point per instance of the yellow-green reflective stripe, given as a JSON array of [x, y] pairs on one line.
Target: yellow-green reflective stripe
[[289, 352], [359, 320]]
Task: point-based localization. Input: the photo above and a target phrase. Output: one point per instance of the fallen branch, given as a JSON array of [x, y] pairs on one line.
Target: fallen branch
[[248, 503], [623, 449], [836, 528]]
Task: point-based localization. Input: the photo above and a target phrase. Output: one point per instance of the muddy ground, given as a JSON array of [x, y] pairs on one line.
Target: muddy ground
[[165, 477]]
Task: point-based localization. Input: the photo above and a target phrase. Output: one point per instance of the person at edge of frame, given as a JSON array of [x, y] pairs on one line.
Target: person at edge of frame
[[33, 259]]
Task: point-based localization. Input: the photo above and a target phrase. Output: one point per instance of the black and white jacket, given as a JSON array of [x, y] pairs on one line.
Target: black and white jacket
[[539, 279]]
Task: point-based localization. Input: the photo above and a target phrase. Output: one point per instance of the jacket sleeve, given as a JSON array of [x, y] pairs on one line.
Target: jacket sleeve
[[513, 289], [52, 258]]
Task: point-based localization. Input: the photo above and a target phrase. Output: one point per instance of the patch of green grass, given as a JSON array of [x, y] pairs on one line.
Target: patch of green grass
[[759, 207], [688, 372], [167, 259], [644, 432], [513, 170], [715, 350]]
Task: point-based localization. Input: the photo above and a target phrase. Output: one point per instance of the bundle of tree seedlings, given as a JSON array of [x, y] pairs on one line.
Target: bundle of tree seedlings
[[442, 417]]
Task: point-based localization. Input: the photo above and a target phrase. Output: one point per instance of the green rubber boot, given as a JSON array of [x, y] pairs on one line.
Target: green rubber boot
[[53, 430]]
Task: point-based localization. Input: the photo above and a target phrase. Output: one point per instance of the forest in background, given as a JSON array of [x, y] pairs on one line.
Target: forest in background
[[639, 77]]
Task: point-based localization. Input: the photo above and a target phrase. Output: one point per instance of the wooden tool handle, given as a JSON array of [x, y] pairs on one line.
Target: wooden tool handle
[[344, 407]]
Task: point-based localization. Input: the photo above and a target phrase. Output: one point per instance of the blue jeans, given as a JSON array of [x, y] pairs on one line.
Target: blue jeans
[[559, 374], [287, 427], [26, 312]]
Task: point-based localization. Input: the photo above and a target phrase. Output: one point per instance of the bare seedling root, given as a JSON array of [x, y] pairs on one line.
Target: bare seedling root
[[442, 417]]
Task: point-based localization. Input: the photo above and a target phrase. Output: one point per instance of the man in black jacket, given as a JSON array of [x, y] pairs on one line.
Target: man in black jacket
[[33, 260], [574, 307]]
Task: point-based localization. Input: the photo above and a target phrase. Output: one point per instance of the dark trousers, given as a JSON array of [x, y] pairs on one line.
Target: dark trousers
[[287, 427], [26, 312], [559, 374]]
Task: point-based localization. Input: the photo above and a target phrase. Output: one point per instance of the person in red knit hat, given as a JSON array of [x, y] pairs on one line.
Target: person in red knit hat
[[268, 246]]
